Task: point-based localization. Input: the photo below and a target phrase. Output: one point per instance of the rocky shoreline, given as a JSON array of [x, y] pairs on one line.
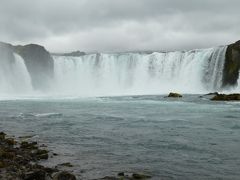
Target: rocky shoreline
[[19, 160]]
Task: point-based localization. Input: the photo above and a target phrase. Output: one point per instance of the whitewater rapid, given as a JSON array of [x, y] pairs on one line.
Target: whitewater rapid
[[110, 74]]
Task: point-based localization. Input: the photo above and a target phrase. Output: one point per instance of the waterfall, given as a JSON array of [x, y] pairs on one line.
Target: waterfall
[[106, 74], [14, 77], [196, 71]]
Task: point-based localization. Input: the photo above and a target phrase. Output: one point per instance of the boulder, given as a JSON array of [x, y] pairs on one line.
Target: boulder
[[64, 175], [35, 175], [10, 141], [174, 95], [2, 136]]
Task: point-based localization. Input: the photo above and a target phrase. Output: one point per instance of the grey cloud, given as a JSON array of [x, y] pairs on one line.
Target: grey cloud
[[118, 25]]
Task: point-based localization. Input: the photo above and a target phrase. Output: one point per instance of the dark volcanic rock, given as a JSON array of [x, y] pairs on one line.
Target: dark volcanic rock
[[232, 65], [64, 175], [226, 97], [39, 64], [122, 176], [174, 95], [20, 161]]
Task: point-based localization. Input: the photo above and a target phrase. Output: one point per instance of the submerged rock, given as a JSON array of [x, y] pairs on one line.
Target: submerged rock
[[121, 174], [174, 95], [226, 97], [140, 176], [210, 94], [125, 176], [64, 175], [68, 164]]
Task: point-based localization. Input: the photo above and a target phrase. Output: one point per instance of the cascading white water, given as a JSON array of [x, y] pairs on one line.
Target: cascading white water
[[14, 77], [134, 73], [194, 71]]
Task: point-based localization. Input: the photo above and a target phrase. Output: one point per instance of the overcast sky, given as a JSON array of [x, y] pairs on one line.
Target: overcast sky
[[120, 25]]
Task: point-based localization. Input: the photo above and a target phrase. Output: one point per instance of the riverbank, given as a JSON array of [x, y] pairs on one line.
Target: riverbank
[[20, 159]]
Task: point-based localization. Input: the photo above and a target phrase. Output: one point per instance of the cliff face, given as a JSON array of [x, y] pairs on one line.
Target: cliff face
[[39, 64], [7, 60], [232, 65], [6, 53]]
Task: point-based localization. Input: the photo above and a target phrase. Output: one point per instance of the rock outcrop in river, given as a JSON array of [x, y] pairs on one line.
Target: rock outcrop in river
[[232, 65]]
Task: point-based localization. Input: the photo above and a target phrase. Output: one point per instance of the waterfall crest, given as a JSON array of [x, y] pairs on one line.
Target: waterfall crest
[[194, 71], [106, 74]]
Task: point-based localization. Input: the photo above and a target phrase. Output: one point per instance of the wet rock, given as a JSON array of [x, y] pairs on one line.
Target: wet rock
[[64, 175], [121, 174], [174, 95], [10, 141], [42, 156], [50, 170], [2, 165], [28, 145], [226, 97], [66, 164], [25, 137], [20, 162], [35, 175], [41, 151], [2, 136], [140, 176], [111, 178], [8, 154]]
